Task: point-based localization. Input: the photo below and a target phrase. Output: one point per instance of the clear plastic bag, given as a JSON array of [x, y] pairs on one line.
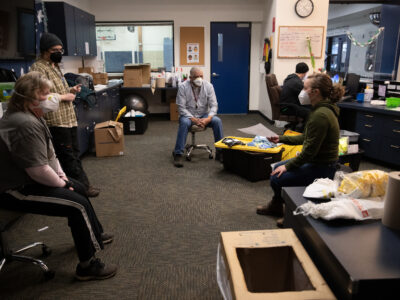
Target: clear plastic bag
[[361, 184]]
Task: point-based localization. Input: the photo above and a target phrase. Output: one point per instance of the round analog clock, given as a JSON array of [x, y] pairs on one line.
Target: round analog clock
[[304, 8]]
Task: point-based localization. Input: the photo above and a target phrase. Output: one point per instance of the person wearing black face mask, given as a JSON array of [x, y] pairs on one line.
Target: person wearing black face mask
[[62, 123]]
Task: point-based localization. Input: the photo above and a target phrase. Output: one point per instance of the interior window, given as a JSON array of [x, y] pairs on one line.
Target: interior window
[[127, 43]]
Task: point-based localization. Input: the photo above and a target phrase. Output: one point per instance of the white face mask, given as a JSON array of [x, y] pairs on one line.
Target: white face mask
[[50, 104], [304, 98], [198, 81]]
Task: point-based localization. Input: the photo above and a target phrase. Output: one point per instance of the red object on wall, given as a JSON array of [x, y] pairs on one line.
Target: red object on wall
[[273, 24]]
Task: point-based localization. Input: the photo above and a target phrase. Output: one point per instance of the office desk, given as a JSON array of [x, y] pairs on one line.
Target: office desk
[[359, 260], [379, 129]]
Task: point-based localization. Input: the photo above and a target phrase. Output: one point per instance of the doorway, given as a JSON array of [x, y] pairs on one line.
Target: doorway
[[230, 65]]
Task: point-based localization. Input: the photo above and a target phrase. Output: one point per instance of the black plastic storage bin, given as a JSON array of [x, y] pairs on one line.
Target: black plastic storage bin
[[352, 160], [135, 125], [253, 166]]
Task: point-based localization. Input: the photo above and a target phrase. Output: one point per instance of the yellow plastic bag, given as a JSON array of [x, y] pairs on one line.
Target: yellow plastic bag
[[361, 184]]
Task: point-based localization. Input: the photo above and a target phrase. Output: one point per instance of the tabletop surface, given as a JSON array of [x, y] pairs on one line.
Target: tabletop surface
[[366, 249]]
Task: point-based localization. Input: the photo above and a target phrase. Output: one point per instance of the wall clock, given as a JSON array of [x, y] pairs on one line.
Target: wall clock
[[304, 8]]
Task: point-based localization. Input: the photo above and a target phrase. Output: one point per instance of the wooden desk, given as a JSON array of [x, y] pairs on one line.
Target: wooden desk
[[359, 260]]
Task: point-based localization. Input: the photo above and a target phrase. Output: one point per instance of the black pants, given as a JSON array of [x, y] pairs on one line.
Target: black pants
[[61, 202], [65, 144], [302, 111]]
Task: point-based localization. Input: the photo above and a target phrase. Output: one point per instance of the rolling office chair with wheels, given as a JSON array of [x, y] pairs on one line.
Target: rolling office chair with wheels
[[278, 110], [193, 146], [7, 219]]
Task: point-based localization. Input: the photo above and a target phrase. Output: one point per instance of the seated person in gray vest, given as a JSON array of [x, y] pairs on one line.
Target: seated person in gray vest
[[292, 86], [197, 105]]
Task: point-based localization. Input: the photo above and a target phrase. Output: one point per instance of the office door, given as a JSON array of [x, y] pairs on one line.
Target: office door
[[230, 65]]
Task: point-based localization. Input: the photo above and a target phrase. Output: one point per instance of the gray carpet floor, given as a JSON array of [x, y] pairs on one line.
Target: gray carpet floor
[[167, 222]]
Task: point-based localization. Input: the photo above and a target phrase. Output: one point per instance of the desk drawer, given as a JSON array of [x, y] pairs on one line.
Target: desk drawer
[[390, 150], [368, 123], [370, 143], [391, 127]]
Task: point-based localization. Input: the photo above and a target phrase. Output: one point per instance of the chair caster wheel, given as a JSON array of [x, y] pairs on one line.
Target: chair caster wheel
[[46, 251], [188, 158], [210, 156], [49, 275]]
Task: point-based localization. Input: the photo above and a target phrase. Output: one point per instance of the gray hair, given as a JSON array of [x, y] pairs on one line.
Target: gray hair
[[194, 70]]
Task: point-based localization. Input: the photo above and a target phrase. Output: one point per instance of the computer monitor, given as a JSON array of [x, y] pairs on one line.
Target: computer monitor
[[352, 84], [381, 90]]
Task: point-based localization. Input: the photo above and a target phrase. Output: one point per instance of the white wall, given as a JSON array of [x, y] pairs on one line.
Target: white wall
[[285, 15], [264, 105], [183, 13]]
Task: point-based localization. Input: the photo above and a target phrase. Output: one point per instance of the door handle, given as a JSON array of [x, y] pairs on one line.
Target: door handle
[[215, 75]]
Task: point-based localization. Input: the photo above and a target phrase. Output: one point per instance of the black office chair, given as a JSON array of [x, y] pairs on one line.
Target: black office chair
[[193, 146], [7, 220], [281, 112]]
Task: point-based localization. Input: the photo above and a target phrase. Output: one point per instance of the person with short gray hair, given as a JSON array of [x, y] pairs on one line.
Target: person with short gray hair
[[197, 105]]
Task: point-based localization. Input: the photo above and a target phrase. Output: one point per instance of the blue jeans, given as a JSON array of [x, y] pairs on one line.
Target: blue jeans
[[184, 126], [303, 176]]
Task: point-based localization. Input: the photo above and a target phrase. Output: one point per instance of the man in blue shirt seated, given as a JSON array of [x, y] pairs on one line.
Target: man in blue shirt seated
[[197, 105]]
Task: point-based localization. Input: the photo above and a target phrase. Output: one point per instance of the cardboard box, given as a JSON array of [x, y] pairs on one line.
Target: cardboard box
[[100, 78], [88, 70], [160, 82], [136, 75], [267, 264], [109, 139], [173, 112]]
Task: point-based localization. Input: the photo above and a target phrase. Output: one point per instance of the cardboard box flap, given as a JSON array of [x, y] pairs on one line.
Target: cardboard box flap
[[115, 129], [108, 124]]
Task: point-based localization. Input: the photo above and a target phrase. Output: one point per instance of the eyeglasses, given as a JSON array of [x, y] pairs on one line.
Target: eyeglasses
[[57, 50]]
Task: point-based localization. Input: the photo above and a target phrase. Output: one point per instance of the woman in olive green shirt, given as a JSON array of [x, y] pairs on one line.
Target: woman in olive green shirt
[[320, 142]]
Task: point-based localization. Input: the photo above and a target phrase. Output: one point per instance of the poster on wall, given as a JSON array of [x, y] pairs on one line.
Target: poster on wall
[[191, 46], [192, 52]]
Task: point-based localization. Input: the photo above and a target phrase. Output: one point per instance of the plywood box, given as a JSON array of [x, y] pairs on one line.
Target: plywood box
[[100, 78], [173, 112], [109, 139], [88, 70], [267, 264], [136, 75]]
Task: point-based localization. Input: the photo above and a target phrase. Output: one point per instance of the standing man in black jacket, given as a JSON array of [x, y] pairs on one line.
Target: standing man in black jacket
[[292, 86]]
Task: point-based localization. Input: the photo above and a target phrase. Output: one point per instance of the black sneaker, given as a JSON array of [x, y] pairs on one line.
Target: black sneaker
[[107, 237], [95, 271], [178, 160]]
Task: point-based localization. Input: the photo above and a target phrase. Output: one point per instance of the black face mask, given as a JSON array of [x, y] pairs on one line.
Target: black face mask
[[56, 57]]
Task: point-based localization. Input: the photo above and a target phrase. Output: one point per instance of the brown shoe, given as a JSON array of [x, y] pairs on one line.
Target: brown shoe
[[279, 222], [274, 208], [92, 192]]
